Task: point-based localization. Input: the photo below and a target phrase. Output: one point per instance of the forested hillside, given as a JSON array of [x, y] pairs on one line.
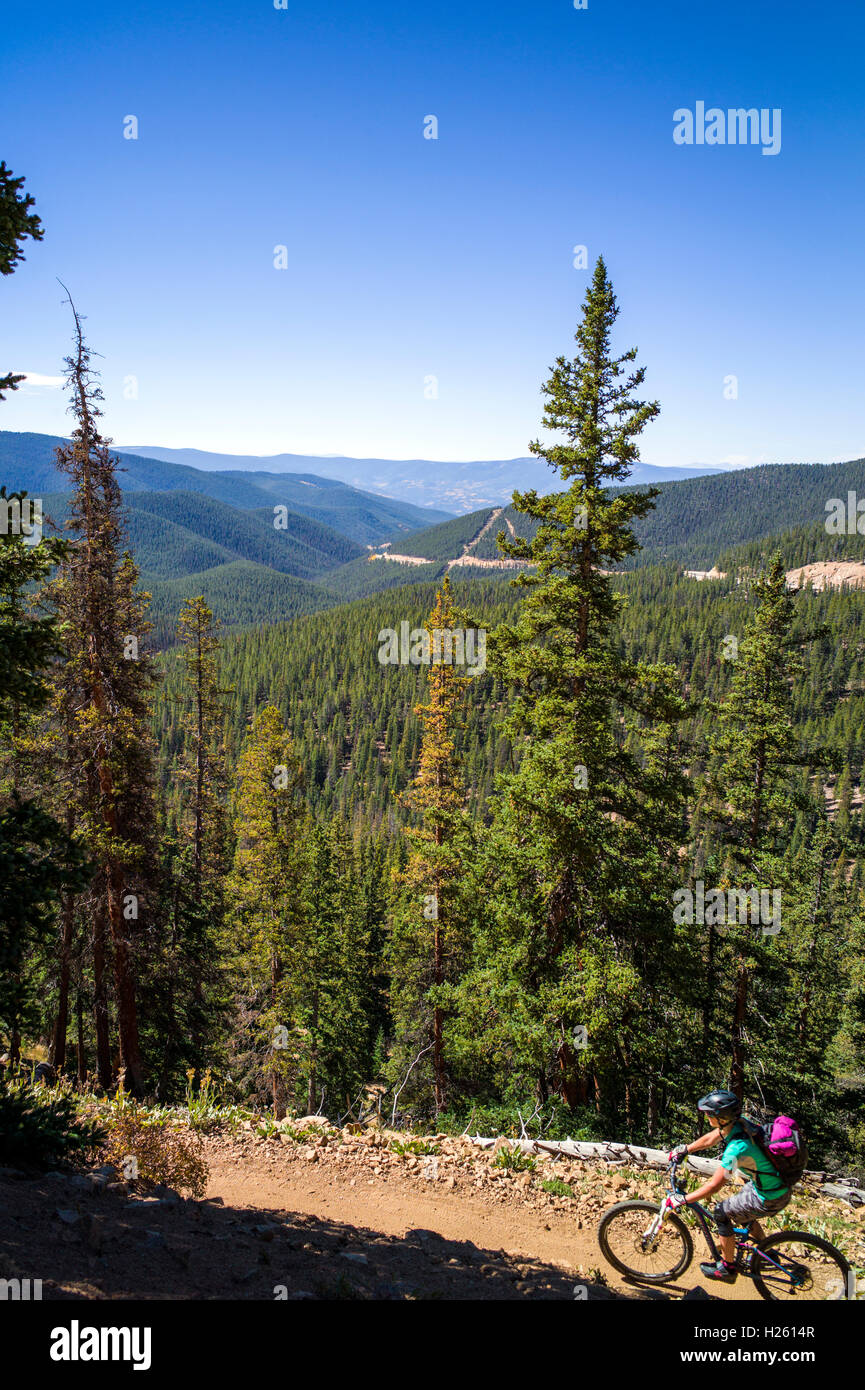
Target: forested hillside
[[177, 532], [238, 593], [162, 525], [696, 524], [797, 546], [357, 736], [299, 546], [697, 520], [693, 521], [351, 720], [248, 570], [370, 576], [444, 541]]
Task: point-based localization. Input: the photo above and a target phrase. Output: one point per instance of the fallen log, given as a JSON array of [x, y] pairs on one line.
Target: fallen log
[[844, 1193], [607, 1151], [615, 1155]]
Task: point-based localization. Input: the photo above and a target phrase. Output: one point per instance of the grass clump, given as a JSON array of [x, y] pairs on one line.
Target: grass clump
[[514, 1160], [557, 1188], [422, 1148], [310, 1135]]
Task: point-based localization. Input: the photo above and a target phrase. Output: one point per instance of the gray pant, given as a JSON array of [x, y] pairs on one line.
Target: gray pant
[[746, 1207]]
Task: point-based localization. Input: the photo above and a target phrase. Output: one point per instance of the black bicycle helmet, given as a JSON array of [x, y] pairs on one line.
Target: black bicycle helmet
[[724, 1104]]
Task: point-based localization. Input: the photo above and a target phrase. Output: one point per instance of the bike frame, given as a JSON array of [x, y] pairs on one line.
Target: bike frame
[[704, 1218]]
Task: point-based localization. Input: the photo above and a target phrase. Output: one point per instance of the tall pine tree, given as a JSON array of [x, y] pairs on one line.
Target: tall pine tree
[[427, 946], [104, 691], [575, 946]]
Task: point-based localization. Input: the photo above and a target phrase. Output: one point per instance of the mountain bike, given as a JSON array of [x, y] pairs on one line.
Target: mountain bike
[[650, 1242]]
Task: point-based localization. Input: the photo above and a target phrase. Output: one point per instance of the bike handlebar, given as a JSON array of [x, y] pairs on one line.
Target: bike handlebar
[[672, 1168]]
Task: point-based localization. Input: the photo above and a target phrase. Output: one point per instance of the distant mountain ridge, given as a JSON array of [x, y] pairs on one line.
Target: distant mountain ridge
[[459, 487], [27, 461]]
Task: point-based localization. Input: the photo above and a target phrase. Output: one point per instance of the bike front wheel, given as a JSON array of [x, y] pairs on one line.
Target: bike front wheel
[[799, 1267], [626, 1245]]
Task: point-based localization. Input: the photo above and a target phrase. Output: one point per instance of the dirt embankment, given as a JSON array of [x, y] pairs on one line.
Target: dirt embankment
[[828, 574]]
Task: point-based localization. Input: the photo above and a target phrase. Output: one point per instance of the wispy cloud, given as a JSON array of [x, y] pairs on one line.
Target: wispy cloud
[[38, 379]]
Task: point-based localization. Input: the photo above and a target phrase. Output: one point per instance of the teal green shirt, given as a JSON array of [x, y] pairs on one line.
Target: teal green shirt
[[743, 1153]]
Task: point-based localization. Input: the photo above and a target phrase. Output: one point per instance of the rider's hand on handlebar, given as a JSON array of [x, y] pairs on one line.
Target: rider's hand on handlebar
[[677, 1154], [674, 1200]]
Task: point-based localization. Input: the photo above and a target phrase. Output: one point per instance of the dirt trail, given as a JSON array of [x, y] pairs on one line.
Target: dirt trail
[[397, 1203], [470, 545], [395, 1207]]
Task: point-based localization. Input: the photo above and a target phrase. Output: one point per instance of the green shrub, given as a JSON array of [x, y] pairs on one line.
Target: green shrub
[[267, 1127], [521, 1119], [40, 1128]]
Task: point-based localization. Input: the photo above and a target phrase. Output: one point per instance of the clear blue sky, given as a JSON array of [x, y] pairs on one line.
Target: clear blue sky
[[452, 258]]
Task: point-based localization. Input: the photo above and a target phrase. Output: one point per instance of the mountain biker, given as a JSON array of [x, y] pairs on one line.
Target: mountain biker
[[765, 1193]]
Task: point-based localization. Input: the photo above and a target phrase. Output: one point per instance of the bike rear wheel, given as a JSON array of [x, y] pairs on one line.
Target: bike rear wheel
[[800, 1268], [622, 1238]]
